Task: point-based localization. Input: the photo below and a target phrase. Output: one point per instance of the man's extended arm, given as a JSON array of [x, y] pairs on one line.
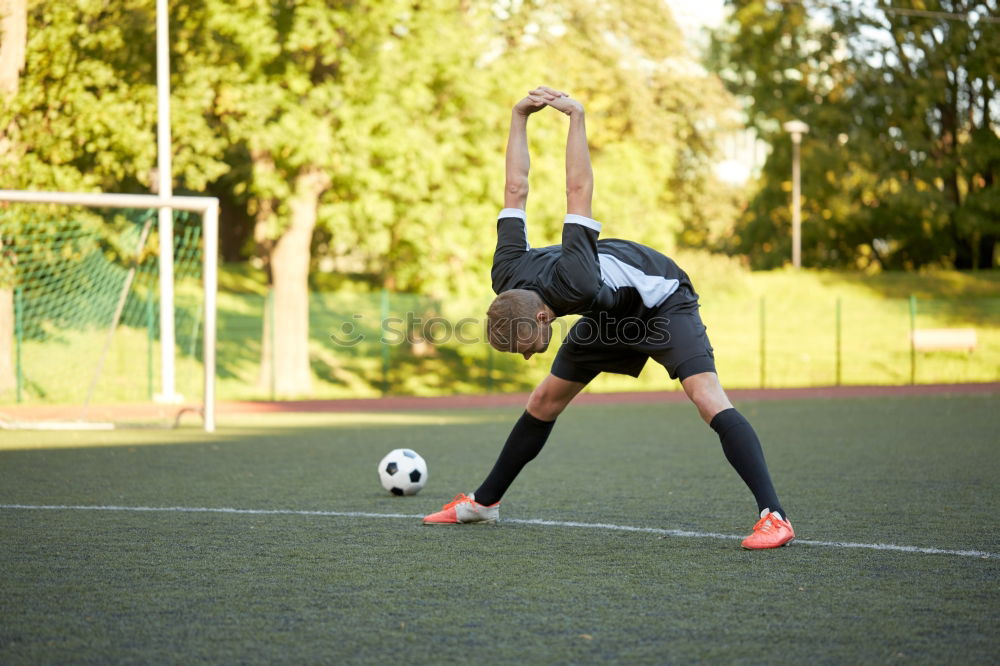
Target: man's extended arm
[[512, 232], [515, 194], [579, 174], [576, 278]]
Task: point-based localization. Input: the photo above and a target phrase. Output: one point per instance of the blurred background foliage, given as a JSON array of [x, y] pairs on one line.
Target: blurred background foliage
[[402, 107], [387, 118], [901, 163], [364, 139]]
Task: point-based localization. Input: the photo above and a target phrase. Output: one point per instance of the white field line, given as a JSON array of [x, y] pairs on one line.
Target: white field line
[[534, 521]]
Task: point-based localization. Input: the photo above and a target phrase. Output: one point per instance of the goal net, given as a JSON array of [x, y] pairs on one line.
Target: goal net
[[81, 332]]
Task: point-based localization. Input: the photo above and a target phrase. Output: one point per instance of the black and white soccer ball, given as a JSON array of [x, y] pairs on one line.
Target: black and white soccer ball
[[402, 472]]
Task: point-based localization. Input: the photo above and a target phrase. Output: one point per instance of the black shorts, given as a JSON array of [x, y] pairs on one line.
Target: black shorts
[[675, 340]]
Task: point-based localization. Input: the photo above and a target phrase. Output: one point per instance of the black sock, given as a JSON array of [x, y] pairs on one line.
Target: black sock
[[743, 451], [523, 444]]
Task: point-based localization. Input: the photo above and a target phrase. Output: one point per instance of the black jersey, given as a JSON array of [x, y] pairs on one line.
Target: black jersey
[[585, 275]]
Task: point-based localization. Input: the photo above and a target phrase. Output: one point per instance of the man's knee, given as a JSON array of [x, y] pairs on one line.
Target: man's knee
[[705, 391], [544, 404], [551, 397]]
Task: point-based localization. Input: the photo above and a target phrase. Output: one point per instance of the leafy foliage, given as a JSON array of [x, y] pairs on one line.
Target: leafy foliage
[[372, 129], [402, 106], [901, 163]]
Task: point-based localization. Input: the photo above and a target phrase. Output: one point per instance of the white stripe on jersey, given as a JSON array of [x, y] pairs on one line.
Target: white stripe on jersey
[[518, 213], [573, 218], [513, 212], [653, 289]]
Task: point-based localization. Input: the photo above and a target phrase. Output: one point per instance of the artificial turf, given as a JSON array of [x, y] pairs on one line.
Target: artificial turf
[[180, 587]]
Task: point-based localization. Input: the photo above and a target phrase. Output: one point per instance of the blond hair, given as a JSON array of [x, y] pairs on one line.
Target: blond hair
[[512, 316]]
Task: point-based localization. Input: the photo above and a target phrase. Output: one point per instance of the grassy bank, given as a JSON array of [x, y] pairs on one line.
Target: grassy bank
[[774, 329]]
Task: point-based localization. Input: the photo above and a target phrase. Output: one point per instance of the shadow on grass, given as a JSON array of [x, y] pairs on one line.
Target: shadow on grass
[[930, 285]]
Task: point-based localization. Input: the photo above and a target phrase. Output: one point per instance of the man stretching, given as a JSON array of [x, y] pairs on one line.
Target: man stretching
[[635, 304]]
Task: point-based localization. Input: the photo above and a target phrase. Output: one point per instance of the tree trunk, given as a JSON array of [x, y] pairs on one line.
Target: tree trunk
[[987, 251], [13, 40], [8, 379], [948, 142], [988, 242], [14, 31], [289, 262]]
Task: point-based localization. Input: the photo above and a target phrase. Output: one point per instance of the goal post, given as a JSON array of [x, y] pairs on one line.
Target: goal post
[[208, 209]]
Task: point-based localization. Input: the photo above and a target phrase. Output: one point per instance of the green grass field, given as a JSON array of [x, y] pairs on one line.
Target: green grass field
[[171, 586]]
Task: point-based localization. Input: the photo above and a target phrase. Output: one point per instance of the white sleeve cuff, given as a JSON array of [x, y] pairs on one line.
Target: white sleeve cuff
[[585, 221], [513, 212]]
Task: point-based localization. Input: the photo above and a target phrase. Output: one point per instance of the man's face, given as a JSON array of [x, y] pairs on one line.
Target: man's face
[[536, 344]]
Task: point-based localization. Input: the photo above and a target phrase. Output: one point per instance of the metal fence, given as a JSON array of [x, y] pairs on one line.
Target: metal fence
[[387, 343], [775, 342], [372, 344]]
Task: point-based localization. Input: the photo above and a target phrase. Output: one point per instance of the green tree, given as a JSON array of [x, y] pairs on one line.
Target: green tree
[[656, 113], [268, 80], [418, 141], [929, 91], [349, 123], [82, 116], [900, 166], [370, 132]]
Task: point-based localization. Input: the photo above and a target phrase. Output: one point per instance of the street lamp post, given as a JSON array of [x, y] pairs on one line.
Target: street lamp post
[[796, 128]]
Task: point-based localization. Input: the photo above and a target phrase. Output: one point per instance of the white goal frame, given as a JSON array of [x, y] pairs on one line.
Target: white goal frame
[[208, 208]]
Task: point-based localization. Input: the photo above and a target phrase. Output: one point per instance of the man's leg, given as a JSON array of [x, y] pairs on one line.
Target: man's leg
[[526, 439], [744, 453], [739, 441], [529, 435]]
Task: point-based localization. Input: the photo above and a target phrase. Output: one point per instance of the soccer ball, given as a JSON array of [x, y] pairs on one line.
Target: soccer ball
[[402, 472]]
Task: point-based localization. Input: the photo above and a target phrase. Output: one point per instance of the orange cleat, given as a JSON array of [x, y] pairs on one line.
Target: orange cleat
[[464, 509], [771, 531]]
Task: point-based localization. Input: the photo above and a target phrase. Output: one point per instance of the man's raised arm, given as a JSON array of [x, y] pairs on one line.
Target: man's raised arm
[[577, 274], [579, 174], [518, 162], [515, 193]]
